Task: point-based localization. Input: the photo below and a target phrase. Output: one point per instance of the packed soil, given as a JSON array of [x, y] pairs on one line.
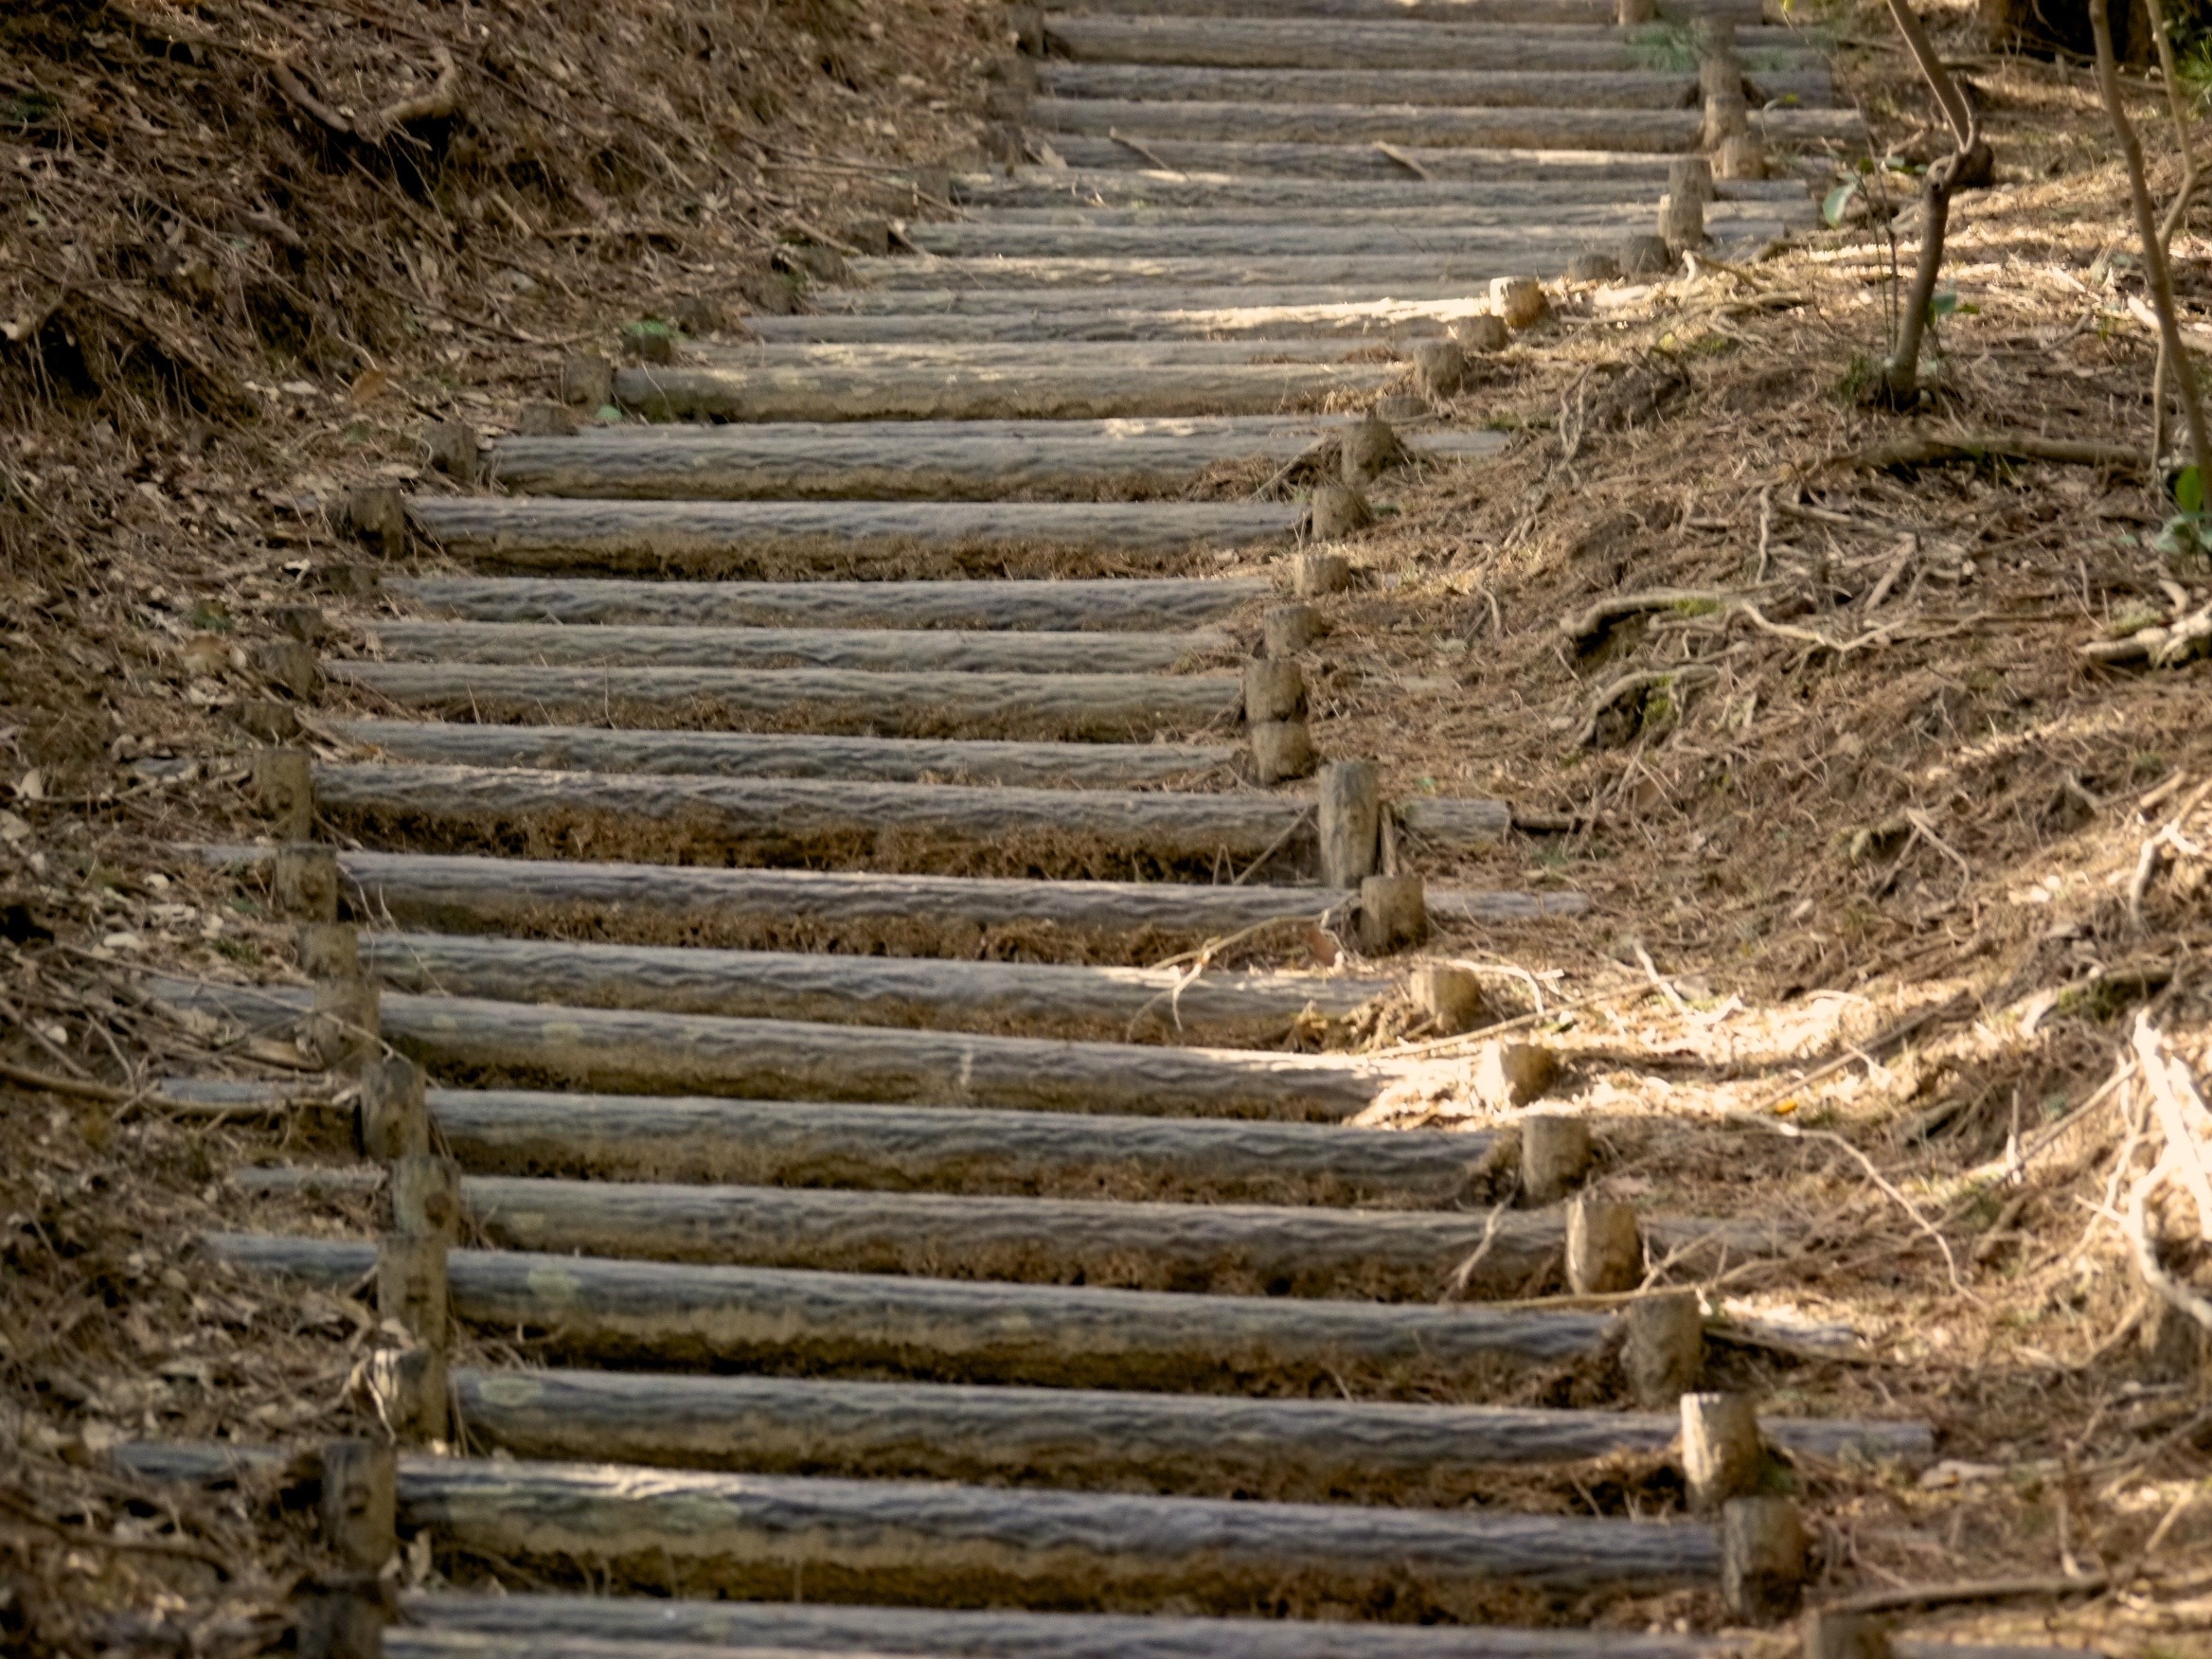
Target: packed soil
[[1898, 900]]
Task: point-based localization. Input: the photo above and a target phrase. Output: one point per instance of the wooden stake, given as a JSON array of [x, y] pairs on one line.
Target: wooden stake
[[1439, 369], [340, 1616], [1449, 997], [393, 1123], [1727, 117], [412, 1288], [1555, 1155], [1663, 1348], [292, 664], [452, 450], [1722, 1457], [303, 881], [329, 950], [426, 1197], [284, 789], [1520, 300], [1831, 1633], [1337, 512], [1485, 332], [360, 1508], [1369, 448], [1350, 823], [1281, 750], [265, 718], [1287, 630], [1315, 574], [412, 1392], [1681, 221], [1274, 688], [342, 1029], [1690, 176], [377, 515], [1763, 1557], [587, 380], [1741, 156], [1605, 1251], [1393, 914]]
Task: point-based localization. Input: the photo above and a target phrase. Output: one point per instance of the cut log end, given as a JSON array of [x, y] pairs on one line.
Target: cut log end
[[1337, 512], [1519, 300], [1555, 1155], [1762, 1557], [1449, 998], [1314, 574], [1722, 1456], [1483, 332], [587, 380], [1371, 447], [1605, 1249], [1393, 914], [1663, 1348], [1288, 629]]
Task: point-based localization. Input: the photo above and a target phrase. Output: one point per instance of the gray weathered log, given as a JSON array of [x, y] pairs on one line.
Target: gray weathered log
[[628, 1137], [791, 755], [1233, 1249], [1216, 289], [1164, 602], [920, 705], [758, 1535], [665, 1053], [1510, 246], [551, 530], [1553, 89], [1590, 185], [1638, 132], [1621, 205], [782, 1319], [1493, 16], [921, 650], [541, 1626], [1116, 277], [1043, 999], [473, 893], [1361, 160], [971, 461], [1038, 390], [785, 818], [1361, 319], [1177, 1442], [1384, 42], [1449, 821]]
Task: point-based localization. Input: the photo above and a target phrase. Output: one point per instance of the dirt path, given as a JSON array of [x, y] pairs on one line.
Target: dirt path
[[838, 935]]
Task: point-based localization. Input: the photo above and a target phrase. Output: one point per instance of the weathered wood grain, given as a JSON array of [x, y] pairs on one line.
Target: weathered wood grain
[[1532, 88], [715, 645], [1379, 39], [1382, 320], [1448, 271], [1600, 184], [1647, 132], [1503, 247]]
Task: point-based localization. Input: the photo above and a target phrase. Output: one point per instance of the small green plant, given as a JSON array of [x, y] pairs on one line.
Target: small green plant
[[1665, 45]]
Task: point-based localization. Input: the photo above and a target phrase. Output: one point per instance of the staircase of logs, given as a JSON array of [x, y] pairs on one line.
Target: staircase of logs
[[751, 874]]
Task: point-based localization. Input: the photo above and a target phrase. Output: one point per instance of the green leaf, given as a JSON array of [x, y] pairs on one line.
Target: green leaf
[[1942, 305], [1838, 201], [2188, 491]]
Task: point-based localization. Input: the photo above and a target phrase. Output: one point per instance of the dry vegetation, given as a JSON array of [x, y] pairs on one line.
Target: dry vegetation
[[1865, 832]]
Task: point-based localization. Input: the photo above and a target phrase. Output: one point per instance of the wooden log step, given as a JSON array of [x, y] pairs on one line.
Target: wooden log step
[[1614, 216], [918, 704], [965, 300], [1162, 602], [1493, 16], [1381, 40], [1245, 1250], [1649, 132], [975, 461], [924, 650], [1552, 89], [1379, 319], [699, 1532], [787, 1321], [1174, 1442], [647, 1051], [836, 909], [1281, 240], [529, 1624], [1621, 181], [830, 821], [1038, 391], [1035, 998], [781, 755], [1344, 159], [1375, 273], [961, 1148], [551, 530]]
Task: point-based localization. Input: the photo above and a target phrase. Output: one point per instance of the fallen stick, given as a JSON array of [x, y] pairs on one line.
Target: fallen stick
[[1981, 446]]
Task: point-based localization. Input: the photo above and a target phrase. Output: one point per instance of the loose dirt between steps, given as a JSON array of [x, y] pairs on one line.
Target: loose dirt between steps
[[1900, 835]]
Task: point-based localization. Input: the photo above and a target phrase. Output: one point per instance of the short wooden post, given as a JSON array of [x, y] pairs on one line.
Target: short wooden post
[[1645, 256], [289, 663], [1370, 448], [2172, 1345], [1483, 332], [1722, 1457], [267, 719], [303, 881], [587, 380], [284, 789], [1274, 688], [1281, 750], [1762, 1557], [1690, 176], [412, 1392], [339, 1616], [411, 1286], [377, 515], [1394, 913], [345, 1025], [1449, 998], [1681, 221], [1439, 369], [1741, 155], [452, 450], [1833, 1633], [1287, 630], [1315, 574], [360, 1509], [1605, 1251], [1336, 511], [426, 1197], [1350, 823], [1555, 1155], [1663, 1348], [392, 1122], [1727, 119], [329, 950], [1519, 300], [544, 420]]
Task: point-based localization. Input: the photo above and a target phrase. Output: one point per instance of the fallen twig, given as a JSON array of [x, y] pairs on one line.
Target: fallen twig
[[1984, 446]]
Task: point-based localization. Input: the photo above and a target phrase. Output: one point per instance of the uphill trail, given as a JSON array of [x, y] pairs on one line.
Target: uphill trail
[[859, 986]]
